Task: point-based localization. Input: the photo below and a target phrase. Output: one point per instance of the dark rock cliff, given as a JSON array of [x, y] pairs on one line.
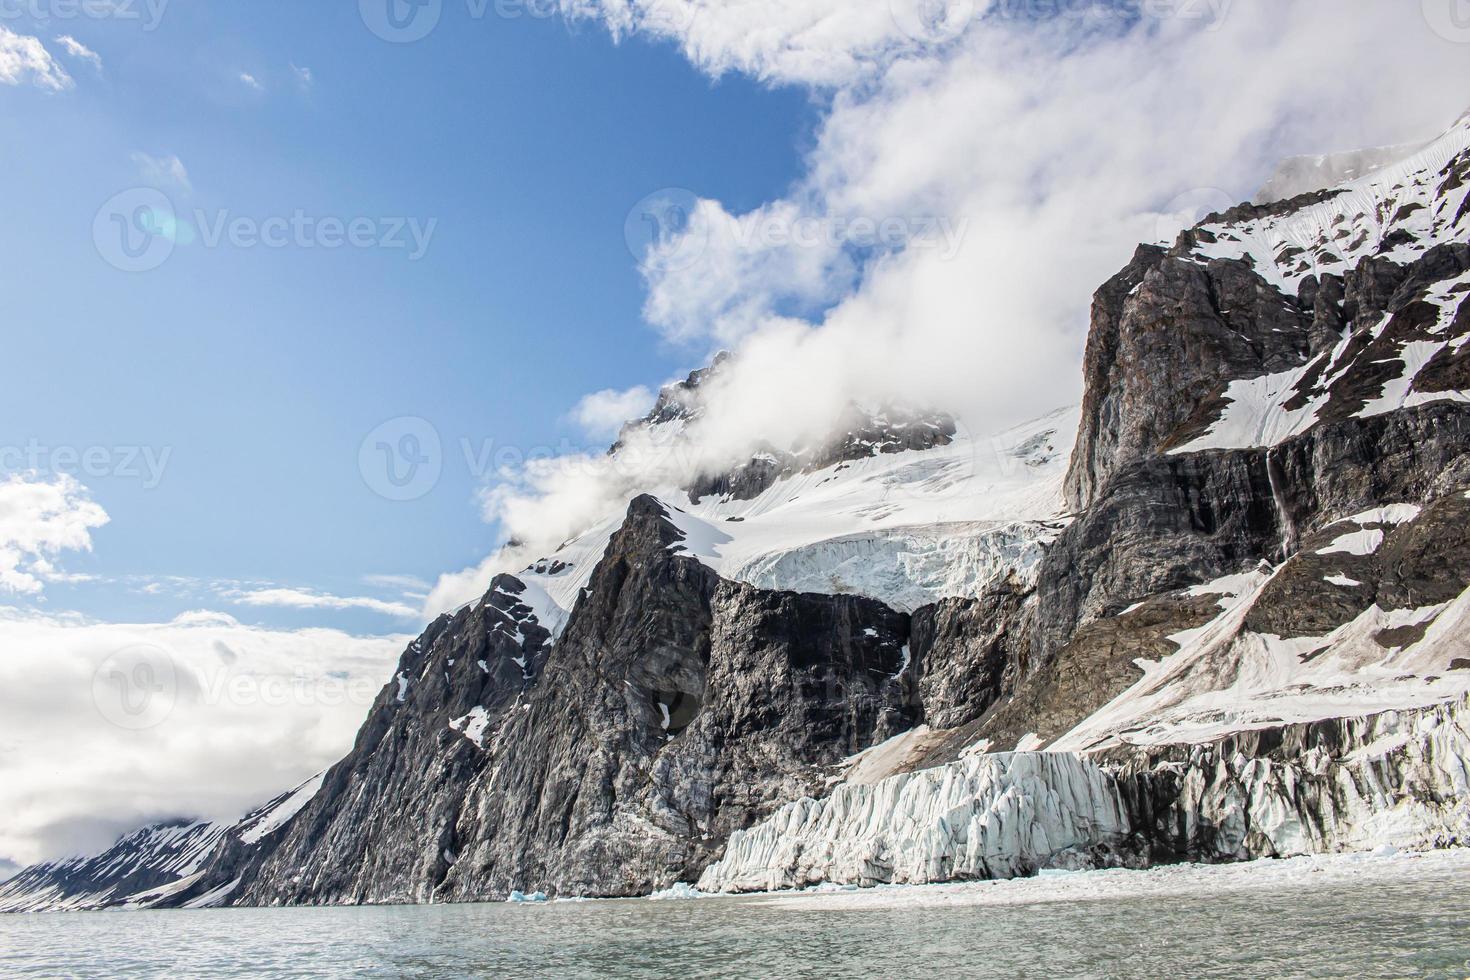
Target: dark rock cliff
[[674, 708]]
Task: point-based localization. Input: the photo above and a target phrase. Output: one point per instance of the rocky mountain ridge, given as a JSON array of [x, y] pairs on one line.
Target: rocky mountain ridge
[[1232, 624]]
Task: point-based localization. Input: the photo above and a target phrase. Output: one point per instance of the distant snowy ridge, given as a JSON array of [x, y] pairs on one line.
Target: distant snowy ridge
[[148, 866], [1301, 174]]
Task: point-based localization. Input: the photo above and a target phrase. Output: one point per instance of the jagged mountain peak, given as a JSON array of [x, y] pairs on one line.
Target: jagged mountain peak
[[676, 402], [1337, 303]]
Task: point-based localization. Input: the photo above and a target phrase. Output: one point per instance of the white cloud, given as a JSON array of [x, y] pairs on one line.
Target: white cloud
[[292, 598], [164, 171], [410, 585], [304, 76], [251, 81], [79, 51], [25, 59], [1043, 150], [816, 42], [238, 714], [40, 519], [602, 413]]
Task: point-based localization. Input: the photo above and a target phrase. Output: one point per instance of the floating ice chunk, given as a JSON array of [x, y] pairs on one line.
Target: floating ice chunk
[[519, 897]]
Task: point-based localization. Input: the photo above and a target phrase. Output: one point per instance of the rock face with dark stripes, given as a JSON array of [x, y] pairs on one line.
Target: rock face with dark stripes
[[673, 709]]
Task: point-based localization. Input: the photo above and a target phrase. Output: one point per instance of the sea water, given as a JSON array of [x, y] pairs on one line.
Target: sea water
[[1404, 916]]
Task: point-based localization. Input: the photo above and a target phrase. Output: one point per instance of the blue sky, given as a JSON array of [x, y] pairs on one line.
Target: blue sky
[[259, 371]]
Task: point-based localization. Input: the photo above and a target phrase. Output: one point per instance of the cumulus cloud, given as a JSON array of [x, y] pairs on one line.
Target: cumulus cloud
[[24, 59], [199, 717], [975, 178], [251, 81], [79, 51], [163, 171], [39, 519], [602, 413], [293, 598], [817, 42]]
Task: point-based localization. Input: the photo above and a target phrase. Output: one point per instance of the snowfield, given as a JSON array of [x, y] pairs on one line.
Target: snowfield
[[1227, 679], [905, 528]]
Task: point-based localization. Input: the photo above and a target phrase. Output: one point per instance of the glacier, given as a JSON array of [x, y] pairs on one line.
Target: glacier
[[1398, 778]]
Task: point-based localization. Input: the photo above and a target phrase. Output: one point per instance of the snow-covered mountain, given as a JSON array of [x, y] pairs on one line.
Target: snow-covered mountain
[[1302, 174], [156, 866], [906, 519], [1218, 611]]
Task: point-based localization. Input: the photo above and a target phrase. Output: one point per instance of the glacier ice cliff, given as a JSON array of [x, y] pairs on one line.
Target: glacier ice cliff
[[1397, 778]]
